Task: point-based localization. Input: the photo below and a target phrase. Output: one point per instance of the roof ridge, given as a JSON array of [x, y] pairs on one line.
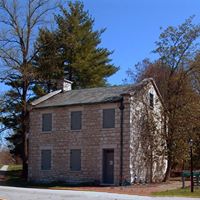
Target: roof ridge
[[93, 88]]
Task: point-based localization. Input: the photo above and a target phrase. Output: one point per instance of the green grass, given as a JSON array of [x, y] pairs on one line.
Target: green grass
[[13, 176], [179, 192], [14, 167]]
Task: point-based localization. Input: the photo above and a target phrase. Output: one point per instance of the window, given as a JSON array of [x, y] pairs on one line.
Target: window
[[151, 100], [76, 120], [75, 160], [45, 159], [47, 122], [109, 118]]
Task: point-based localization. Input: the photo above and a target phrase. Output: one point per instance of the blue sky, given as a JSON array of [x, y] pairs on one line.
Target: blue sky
[[133, 26]]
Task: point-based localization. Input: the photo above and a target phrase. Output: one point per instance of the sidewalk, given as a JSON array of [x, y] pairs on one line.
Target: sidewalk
[[4, 168], [3, 171]]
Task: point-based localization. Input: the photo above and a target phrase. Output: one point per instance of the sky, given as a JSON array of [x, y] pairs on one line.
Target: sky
[[133, 26]]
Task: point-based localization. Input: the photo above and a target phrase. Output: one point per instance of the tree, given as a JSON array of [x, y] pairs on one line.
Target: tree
[[19, 24], [47, 63], [177, 48], [195, 73], [76, 47]]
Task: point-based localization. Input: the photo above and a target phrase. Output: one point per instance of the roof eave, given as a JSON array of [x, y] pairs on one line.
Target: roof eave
[[78, 104]]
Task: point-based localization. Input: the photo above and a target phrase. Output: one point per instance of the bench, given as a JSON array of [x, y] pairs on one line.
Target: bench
[[187, 174]]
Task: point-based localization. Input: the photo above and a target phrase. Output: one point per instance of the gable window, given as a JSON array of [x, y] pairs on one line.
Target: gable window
[[45, 159], [151, 100], [76, 120], [75, 160], [47, 122], [109, 118]]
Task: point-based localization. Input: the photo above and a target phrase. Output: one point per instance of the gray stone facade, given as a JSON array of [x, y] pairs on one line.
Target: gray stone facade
[[92, 139]]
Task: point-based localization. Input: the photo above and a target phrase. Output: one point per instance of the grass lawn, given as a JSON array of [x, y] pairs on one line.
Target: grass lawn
[[14, 167], [13, 176], [179, 192]]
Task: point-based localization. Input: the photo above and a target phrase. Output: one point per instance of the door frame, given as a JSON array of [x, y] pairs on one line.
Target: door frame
[[103, 165]]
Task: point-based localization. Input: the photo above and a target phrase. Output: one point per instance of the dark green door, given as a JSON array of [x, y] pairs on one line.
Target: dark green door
[[108, 166]]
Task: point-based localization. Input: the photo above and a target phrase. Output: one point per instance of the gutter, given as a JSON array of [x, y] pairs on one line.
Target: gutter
[[121, 107]]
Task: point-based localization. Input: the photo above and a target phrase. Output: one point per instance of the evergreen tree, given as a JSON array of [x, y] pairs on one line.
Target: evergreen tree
[[47, 63], [10, 118], [78, 53]]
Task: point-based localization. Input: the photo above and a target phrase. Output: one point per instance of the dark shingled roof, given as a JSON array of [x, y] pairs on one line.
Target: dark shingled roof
[[87, 96]]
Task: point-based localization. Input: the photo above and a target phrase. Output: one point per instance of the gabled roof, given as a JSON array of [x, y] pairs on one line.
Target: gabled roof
[[45, 97], [88, 96]]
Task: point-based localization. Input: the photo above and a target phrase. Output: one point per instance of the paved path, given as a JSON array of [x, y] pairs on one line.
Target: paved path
[[4, 168], [13, 193]]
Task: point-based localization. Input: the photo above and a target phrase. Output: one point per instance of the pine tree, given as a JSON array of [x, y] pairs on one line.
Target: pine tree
[[77, 49], [47, 63]]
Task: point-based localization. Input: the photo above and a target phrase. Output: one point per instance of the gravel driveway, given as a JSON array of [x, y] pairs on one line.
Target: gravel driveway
[[13, 193]]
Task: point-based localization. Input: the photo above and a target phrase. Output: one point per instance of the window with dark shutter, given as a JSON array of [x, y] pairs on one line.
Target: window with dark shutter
[[47, 122], [76, 118], [75, 160], [151, 100], [109, 118], [45, 159]]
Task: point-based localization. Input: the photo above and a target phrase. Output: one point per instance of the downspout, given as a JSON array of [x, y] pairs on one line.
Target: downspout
[[121, 107]]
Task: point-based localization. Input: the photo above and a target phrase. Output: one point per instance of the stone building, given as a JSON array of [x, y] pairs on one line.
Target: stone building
[[95, 135]]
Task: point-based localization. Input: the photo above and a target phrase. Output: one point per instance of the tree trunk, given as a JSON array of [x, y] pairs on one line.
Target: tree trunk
[[25, 128], [169, 167], [151, 165]]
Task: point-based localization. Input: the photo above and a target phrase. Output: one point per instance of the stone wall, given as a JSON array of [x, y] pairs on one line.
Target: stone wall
[[147, 152], [91, 139]]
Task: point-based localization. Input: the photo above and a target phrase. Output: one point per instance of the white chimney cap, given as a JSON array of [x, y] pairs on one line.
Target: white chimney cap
[[67, 85]]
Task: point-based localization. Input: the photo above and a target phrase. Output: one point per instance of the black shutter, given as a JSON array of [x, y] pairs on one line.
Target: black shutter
[[76, 118], [47, 122], [109, 118]]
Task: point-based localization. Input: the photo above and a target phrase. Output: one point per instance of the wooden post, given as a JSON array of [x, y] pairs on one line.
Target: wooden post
[[183, 181]]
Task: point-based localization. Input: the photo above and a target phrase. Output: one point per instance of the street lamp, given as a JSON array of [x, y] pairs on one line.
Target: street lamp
[[191, 166]]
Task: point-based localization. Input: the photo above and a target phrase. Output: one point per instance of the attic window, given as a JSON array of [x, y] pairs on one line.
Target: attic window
[[151, 100]]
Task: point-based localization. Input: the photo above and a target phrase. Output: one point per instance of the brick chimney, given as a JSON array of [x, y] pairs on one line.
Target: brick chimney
[[64, 85]]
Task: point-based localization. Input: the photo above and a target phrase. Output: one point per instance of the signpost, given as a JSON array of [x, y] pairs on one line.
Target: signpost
[[191, 167]]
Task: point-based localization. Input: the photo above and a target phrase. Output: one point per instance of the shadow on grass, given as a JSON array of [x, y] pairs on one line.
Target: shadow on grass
[[14, 178]]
